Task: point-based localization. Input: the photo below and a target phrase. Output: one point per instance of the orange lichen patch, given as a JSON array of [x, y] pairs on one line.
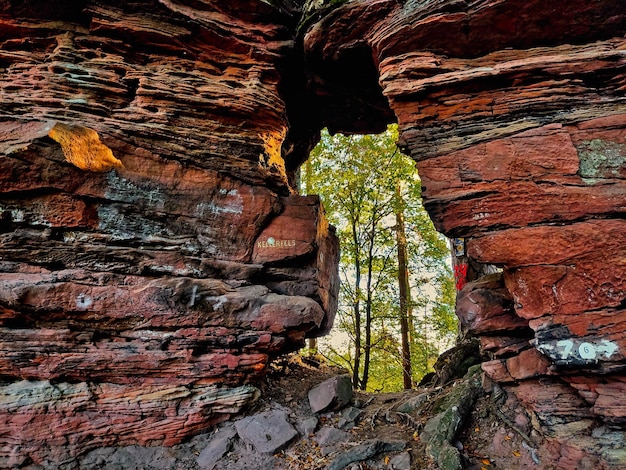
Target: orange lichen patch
[[82, 148]]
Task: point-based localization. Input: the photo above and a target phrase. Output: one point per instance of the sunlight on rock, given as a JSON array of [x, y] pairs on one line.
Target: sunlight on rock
[[82, 148], [271, 156]]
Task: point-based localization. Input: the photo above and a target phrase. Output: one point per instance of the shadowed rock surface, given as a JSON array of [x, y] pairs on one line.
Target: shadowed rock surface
[[142, 305]]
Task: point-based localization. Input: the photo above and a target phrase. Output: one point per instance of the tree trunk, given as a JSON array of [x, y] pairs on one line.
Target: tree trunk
[[357, 345], [405, 293], [368, 308], [357, 312], [308, 174]]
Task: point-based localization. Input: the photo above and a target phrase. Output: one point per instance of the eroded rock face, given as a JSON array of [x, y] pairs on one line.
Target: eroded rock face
[[141, 304], [515, 113], [136, 305]]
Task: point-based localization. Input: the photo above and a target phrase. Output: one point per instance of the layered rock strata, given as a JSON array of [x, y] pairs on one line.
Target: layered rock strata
[[153, 257], [137, 305], [516, 116]]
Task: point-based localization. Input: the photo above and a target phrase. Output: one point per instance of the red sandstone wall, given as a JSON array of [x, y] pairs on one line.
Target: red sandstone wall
[[138, 305], [516, 115], [141, 304]]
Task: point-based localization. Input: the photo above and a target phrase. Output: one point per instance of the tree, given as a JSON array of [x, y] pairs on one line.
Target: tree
[[306, 186], [372, 194], [404, 289]]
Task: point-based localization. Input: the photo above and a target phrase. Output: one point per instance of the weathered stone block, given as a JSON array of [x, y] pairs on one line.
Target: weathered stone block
[[486, 306], [334, 393], [220, 444], [267, 432]]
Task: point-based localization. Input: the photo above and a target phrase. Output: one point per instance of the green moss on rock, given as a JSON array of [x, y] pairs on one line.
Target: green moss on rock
[[440, 431], [601, 159]]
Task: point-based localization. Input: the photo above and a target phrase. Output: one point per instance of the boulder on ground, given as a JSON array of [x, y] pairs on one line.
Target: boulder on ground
[[267, 431], [220, 443], [364, 451], [334, 393], [330, 435]]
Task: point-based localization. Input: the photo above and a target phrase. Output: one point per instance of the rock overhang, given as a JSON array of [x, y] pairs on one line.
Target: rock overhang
[[180, 265]]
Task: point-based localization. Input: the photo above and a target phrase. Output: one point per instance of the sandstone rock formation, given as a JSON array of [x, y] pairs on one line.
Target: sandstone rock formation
[[516, 115], [138, 305]]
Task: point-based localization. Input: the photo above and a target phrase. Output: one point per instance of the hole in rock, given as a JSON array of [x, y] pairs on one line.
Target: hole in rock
[[397, 292]]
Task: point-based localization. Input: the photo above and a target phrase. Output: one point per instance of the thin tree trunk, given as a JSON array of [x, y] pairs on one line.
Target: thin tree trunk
[[368, 311], [308, 175], [405, 293], [357, 345], [313, 346], [357, 310]]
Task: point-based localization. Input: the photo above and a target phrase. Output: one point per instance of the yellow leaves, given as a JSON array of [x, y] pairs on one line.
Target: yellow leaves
[[486, 462], [516, 453], [476, 429], [83, 149], [387, 460]]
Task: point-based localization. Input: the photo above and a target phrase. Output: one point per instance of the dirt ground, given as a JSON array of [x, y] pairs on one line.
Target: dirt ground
[[495, 435]]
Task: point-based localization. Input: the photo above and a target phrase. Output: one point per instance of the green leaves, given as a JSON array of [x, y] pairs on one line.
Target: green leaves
[[357, 178]]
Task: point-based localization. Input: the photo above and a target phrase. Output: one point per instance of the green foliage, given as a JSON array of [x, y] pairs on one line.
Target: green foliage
[[357, 177]]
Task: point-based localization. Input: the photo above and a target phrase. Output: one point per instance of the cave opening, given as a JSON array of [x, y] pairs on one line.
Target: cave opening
[[388, 341]]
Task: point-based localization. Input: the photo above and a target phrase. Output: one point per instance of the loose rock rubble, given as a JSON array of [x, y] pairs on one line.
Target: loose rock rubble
[[468, 423]]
